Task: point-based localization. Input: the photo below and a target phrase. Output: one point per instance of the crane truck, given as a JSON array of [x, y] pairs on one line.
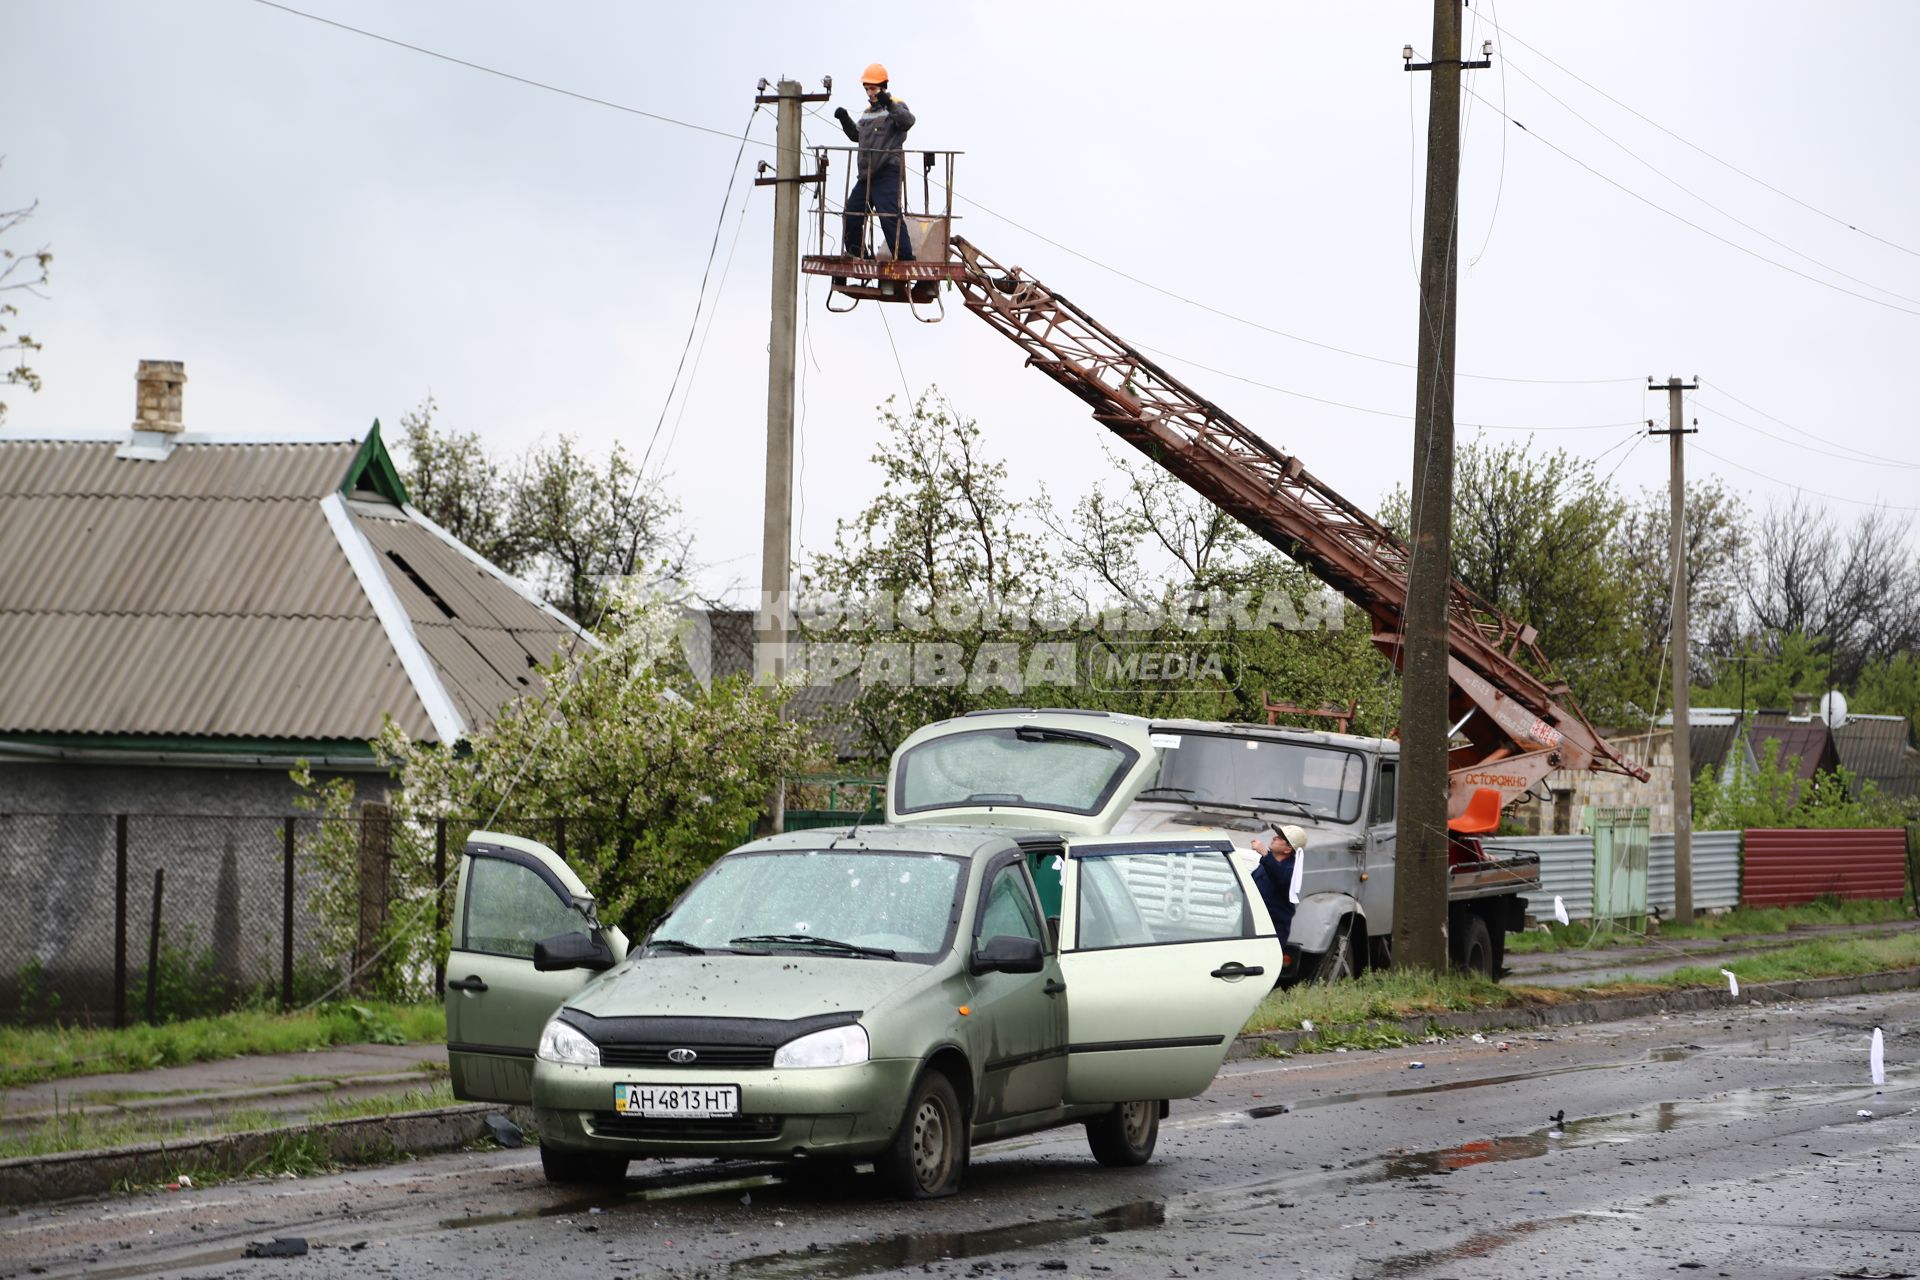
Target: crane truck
[[1514, 720]]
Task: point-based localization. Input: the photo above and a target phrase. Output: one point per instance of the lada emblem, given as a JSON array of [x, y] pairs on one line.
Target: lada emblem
[[681, 1056]]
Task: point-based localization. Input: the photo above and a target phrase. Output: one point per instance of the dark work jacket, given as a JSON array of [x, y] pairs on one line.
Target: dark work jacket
[[1276, 885], [882, 132]]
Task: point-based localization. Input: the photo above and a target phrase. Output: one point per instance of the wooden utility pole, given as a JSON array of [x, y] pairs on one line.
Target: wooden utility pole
[[1682, 727], [776, 539], [1420, 859]]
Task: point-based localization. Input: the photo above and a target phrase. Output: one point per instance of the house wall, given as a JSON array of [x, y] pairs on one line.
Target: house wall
[[1574, 790], [218, 833]]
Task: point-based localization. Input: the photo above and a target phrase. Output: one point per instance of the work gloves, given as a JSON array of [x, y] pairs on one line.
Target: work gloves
[[846, 124], [883, 100]]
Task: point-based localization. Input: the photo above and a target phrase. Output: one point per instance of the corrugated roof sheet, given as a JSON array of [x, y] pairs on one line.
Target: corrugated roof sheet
[[89, 554], [206, 595], [1879, 747], [253, 471], [1809, 742], [196, 675]]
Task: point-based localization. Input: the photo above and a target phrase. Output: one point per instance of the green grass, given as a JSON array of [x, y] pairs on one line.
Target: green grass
[[31, 1054], [1349, 1015], [1740, 922], [1374, 996], [385, 1104]]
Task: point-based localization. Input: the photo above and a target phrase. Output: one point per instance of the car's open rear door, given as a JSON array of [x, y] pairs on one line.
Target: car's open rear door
[[1163, 961]]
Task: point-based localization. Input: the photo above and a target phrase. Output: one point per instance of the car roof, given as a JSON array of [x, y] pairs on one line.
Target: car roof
[[956, 842]]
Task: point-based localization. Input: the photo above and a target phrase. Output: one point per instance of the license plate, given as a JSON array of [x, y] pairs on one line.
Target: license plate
[[685, 1101]]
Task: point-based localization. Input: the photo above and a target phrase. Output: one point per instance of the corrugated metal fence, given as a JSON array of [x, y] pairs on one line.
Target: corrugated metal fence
[[1787, 868], [1566, 869]]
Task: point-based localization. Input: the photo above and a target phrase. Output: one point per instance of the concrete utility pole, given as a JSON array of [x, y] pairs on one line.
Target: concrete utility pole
[[776, 542], [1420, 872], [1682, 727]]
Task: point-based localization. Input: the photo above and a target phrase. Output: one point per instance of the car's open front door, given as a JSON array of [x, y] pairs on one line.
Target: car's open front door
[[512, 893], [1163, 963]]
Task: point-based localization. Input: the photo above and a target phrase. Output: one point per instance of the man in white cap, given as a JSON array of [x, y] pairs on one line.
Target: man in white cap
[[1278, 875]]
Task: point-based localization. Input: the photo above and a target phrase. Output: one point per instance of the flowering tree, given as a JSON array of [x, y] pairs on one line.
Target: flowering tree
[[653, 783]]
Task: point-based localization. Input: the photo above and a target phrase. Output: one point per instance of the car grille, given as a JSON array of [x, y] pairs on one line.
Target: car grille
[[712, 1057], [730, 1129]]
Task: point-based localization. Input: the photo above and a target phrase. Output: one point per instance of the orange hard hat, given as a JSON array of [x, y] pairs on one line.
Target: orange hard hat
[[874, 74]]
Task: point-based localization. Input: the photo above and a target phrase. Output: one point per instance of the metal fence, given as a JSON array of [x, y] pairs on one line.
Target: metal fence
[[1566, 869], [113, 919]]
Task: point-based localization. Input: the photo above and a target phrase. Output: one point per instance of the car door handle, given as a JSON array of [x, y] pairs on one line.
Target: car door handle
[[1054, 987], [472, 982], [1234, 969]]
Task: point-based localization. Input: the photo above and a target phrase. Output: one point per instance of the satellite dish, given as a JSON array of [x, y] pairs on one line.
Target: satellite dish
[[1833, 709]]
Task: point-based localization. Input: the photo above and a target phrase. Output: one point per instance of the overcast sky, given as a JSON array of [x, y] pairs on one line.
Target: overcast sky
[[327, 228]]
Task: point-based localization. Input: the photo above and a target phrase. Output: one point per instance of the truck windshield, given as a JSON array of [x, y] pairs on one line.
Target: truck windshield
[[1322, 783], [1027, 766], [892, 902]]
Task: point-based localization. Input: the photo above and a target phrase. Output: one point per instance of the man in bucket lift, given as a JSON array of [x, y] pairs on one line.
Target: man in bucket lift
[[881, 133]]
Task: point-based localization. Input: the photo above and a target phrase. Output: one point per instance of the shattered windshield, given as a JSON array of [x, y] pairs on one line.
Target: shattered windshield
[[893, 902], [1029, 766], [1273, 776]]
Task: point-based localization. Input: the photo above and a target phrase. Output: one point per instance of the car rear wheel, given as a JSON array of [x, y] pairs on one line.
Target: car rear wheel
[[564, 1165], [1125, 1135], [929, 1153]]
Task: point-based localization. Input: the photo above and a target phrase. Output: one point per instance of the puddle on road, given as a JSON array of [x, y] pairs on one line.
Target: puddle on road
[[675, 1184], [1477, 1245], [913, 1248]]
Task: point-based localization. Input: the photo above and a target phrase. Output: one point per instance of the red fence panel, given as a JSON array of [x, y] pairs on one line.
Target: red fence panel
[[1789, 868]]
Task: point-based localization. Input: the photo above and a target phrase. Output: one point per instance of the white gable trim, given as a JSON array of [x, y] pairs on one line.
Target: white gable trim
[[420, 670], [526, 592]]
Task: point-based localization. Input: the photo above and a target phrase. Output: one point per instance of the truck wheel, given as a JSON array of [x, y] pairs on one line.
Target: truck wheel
[[1125, 1135], [929, 1153], [568, 1166], [1337, 963], [1473, 953]]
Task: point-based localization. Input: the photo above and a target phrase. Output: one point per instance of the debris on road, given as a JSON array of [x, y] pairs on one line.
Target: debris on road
[[505, 1132], [278, 1247]]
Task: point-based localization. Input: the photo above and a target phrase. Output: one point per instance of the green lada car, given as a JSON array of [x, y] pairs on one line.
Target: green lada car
[[893, 994]]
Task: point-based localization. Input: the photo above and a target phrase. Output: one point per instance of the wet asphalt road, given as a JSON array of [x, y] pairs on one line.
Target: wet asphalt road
[[1724, 1144]]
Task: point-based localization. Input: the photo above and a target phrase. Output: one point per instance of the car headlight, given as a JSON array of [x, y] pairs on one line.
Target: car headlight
[[834, 1047], [564, 1042]]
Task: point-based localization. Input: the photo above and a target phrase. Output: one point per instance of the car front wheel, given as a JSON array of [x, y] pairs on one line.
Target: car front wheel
[[929, 1153], [1125, 1135], [564, 1165]]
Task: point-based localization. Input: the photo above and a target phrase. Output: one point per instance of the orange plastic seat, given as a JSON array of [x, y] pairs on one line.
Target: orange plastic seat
[[1481, 816]]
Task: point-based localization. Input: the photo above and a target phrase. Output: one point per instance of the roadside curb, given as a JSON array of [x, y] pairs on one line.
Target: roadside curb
[[31, 1179], [200, 1103], [1611, 1009]]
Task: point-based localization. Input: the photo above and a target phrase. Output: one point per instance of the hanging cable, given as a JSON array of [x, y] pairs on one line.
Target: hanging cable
[[1681, 218]]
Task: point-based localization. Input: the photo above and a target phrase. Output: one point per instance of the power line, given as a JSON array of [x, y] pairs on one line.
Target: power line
[[1682, 187], [1255, 324], [1834, 497], [1360, 408], [495, 71], [1825, 453], [1681, 218], [1863, 455], [1494, 22], [713, 248], [529, 82]]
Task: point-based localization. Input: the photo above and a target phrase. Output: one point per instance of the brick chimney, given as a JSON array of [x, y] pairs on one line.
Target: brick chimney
[[156, 404]]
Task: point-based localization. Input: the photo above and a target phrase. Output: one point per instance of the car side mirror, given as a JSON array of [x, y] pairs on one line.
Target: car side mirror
[[1004, 953], [571, 951]]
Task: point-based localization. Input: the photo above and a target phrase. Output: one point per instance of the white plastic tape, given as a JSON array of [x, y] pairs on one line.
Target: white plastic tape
[[1560, 910], [1733, 983], [1877, 1058]]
